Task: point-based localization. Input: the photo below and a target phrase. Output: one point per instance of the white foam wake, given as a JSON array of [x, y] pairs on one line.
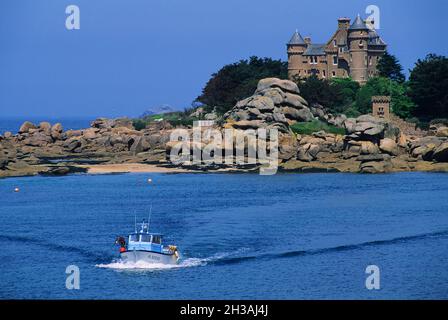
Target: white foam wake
[[148, 266], [142, 265]]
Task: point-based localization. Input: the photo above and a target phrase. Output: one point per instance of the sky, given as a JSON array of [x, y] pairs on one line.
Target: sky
[[129, 56]]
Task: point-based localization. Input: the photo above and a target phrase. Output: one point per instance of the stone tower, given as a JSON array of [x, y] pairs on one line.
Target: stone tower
[[358, 37], [381, 107], [295, 48]]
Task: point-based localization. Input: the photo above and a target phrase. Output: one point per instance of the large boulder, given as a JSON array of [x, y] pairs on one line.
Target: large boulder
[[38, 139], [7, 135], [56, 131], [367, 127], [375, 167], [90, 134], [308, 152], [26, 126], [141, 144], [389, 146], [441, 153], [287, 146], [72, 144], [284, 85], [275, 103], [104, 123], [442, 132], [45, 127], [253, 124], [368, 147], [424, 147]]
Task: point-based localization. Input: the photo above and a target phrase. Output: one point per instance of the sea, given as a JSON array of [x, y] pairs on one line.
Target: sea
[[241, 236]]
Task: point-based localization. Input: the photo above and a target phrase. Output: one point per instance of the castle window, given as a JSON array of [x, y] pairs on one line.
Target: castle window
[[335, 43], [335, 60], [324, 74], [313, 60], [341, 50], [333, 74]]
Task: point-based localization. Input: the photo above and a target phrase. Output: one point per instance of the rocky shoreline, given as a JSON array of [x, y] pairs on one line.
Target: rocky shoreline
[[369, 145]]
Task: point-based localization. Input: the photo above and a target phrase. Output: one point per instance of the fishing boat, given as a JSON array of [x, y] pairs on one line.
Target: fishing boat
[[143, 246]]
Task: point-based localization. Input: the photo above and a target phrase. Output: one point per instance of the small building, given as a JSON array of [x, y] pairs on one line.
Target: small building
[[381, 107]]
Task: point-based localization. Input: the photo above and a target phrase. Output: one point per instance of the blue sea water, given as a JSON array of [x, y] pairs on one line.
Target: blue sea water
[[242, 236]]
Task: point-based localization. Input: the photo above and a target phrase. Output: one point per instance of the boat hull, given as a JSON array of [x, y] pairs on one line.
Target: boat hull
[[149, 257]]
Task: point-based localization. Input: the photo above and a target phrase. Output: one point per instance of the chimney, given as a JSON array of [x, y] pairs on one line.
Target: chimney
[[307, 40], [343, 23]]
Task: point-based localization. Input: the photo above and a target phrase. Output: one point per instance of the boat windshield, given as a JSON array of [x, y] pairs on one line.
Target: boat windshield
[[145, 238], [133, 237], [156, 239]]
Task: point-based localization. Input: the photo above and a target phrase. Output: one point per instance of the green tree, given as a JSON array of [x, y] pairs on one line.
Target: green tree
[[389, 67], [316, 91], [401, 103], [345, 90], [237, 81], [428, 84], [336, 94]]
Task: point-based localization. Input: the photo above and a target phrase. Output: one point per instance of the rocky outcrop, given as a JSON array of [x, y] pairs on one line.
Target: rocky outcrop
[[26, 126], [275, 103], [369, 145], [429, 148], [442, 132], [104, 123], [323, 114], [367, 127], [440, 154]]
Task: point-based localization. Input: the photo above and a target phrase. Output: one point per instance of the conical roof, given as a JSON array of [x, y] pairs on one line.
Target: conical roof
[[358, 24], [296, 39]]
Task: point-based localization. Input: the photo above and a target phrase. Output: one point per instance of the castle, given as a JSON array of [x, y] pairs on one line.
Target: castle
[[353, 51]]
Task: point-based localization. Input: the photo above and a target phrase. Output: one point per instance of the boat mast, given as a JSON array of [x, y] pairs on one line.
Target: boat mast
[[149, 215]]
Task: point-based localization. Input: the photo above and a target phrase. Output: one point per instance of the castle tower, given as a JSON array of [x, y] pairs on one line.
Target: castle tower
[[358, 36], [295, 48]]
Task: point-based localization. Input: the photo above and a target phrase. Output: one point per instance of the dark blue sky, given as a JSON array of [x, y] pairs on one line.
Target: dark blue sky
[[131, 55]]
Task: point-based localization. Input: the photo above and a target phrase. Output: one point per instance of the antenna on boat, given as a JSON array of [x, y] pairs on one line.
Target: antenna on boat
[[149, 215], [135, 222]]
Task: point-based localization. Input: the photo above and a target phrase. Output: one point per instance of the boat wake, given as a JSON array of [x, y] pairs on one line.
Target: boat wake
[[148, 266], [341, 248]]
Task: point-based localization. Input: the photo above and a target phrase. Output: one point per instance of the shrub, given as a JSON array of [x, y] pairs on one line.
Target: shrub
[[401, 103], [308, 128]]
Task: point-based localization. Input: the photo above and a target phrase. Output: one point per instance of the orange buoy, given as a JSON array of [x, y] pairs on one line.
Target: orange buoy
[[122, 249]]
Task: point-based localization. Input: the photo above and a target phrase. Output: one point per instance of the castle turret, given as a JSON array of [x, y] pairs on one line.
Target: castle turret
[[358, 36], [295, 47]]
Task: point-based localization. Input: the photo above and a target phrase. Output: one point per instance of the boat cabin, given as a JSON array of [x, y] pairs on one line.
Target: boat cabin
[[145, 241]]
